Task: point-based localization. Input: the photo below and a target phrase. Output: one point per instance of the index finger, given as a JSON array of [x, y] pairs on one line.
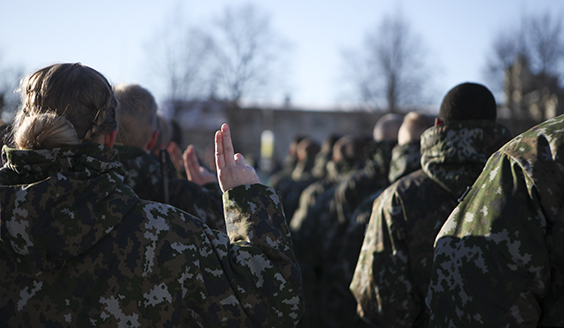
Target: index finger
[[224, 148]]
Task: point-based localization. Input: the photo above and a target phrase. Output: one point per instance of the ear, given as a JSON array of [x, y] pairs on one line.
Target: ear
[[110, 138], [438, 121], [151, 143]]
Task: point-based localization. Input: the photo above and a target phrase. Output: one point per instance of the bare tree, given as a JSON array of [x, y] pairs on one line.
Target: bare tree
[[390, 69], [182, 57], [248, 52], [238, 55], [507, 47], [10, 76], [526, 62]]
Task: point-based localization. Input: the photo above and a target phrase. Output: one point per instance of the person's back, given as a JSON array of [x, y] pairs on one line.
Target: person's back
[[499, 258], [354, 189], [301, 176], [138, 134], [393, 270], [310, 221], [343, 241], [79, 248]]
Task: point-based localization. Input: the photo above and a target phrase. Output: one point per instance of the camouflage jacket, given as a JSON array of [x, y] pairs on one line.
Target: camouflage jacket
[[393, 270], [143, 174], [309, 226], [78, 248], [345, 240], [405, 159], [499, 258], [357, 187]]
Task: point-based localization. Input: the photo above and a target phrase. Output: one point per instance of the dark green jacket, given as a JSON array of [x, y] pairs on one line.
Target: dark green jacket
[[144, 175], [499, 258], [345, 240], [393, 270], [78, 248]]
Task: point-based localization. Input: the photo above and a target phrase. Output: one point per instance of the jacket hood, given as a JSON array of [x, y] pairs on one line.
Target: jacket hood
[[57, 203], [139, 166], [406, 158], [454, 154]]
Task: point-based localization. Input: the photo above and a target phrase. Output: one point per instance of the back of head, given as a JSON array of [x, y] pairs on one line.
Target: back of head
[[350, 149], [468, 101], [64, 104], [293, 147], [165, 134], [414, 124], [387, 127], [307, 148], [137, 115]]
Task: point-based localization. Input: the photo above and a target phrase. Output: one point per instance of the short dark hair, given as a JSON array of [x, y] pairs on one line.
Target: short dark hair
[[468, 101]]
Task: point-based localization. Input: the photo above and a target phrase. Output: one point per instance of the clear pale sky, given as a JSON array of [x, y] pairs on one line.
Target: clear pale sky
[[112, 36]]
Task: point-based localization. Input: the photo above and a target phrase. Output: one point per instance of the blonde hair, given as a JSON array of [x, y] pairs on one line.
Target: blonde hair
[[137, 115], [64, 104]]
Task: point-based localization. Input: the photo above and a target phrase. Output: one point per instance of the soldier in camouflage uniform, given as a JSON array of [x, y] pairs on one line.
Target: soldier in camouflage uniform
[[343, 242], [137, 116], [78, 248], [394, 267], [499, 258], [302, 175], [352, 191], [282, 179], [309, 223]]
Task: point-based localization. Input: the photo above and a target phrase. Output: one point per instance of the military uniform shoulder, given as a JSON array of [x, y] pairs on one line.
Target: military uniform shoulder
[[412, 180], [152, 210], [543, 141], [129, 152]]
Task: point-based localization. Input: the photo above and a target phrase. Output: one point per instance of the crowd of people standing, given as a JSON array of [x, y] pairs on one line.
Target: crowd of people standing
[[431, 221], [434, 222]]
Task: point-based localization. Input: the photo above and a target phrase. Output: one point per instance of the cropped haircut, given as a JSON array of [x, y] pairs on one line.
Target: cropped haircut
[[307, 148], [165, 134], [64, 104], [136, 114], [387, 127], [414, 124], [350, 149], [468, 101]]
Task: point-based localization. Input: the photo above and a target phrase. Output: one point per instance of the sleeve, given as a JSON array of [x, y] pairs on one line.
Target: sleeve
[[381, 283], [203, 202], [353, 190], [491, 264], [253, 280]]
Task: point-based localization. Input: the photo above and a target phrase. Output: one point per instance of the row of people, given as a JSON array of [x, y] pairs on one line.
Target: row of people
[[85, 242], [80, 247], [447, 244]]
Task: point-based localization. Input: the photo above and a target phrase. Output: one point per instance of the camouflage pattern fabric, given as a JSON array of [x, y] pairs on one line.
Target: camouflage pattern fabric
[[499, 258], [309, 225], [343, 244], [143, 174], [406, 158], [351, 192], [394, 267], [354, 190], [302, 177], [291, 185], [78, 248]]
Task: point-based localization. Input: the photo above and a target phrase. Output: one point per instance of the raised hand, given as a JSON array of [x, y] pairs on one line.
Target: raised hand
[[231, 168], [175, 156], [196, 173]]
